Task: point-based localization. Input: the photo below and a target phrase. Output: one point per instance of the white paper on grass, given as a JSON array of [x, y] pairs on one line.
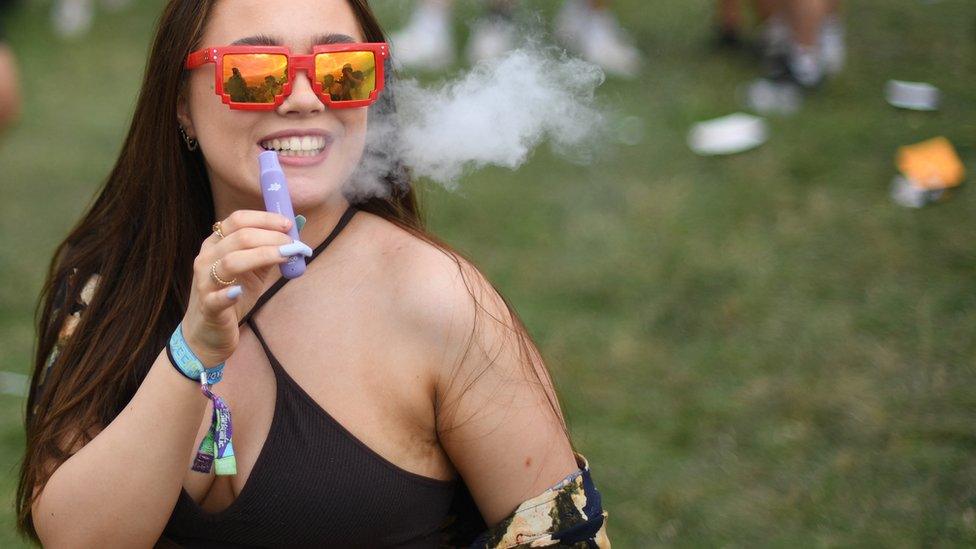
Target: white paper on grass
[[730, 134], [917, 96]]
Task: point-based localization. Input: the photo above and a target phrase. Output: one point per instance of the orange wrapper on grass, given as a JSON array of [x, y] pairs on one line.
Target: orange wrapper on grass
[[932, 164]]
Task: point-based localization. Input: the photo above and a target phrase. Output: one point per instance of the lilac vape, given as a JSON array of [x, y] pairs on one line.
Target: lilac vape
[[274, 187]]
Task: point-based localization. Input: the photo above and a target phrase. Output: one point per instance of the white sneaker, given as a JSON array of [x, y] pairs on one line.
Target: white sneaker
[[833, 46], [596, 36], [571, 22], [770, 97], [72, 18], [805, 65], [606, 44], [490, 38], [426, 42]]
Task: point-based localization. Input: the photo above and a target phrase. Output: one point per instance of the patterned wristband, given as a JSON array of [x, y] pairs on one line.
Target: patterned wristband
[[187, 363]]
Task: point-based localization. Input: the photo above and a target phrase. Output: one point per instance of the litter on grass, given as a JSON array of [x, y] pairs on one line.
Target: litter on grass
[[917, 96], [929, 170], [730, 134]]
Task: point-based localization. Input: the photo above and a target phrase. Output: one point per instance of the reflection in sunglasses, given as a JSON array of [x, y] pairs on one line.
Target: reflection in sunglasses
[[348, 86], [240, 92], [254, 78], [347, 76]]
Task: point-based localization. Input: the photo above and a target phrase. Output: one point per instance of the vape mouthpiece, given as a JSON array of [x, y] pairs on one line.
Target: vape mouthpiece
[[269, 162]]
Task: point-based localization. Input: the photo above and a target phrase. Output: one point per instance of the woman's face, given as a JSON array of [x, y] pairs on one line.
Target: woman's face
[[232, 139]]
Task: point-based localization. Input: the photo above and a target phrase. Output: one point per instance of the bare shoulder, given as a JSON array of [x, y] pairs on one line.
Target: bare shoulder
[[428, 285], [432, 291]]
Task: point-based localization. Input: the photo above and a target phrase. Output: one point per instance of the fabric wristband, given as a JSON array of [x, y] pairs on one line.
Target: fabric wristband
[[187, 363], [216, 448]]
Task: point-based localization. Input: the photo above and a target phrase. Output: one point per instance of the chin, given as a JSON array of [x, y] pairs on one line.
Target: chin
[[309, 196]]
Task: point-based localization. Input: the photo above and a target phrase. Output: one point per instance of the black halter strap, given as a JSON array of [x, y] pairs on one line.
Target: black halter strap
[[270, 292]]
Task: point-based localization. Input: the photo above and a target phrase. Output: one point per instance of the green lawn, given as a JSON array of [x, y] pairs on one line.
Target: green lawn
[[754, 350]]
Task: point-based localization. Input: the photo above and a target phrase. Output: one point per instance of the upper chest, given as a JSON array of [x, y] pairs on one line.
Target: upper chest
[[348, 364]]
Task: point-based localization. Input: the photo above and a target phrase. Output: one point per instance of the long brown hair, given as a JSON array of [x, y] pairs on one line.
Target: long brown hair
[[140, 235]]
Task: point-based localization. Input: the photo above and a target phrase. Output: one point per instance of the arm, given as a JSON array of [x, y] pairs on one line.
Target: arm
[[136, 463], [566, 514], [120, 488], [498, 418]]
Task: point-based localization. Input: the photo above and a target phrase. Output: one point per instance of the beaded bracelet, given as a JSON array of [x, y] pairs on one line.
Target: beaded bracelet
[[216, 449]]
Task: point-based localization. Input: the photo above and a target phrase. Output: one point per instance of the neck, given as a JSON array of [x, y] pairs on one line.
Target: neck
[[320, 221]]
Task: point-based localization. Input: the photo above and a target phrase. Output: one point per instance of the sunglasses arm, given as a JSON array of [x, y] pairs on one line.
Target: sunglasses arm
[[201, 57]]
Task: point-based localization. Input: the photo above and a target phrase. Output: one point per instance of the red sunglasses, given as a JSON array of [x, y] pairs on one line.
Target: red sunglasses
[[344, 75]]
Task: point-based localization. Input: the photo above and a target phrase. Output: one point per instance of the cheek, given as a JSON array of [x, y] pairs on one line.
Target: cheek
[[355, 130], [222, 133]]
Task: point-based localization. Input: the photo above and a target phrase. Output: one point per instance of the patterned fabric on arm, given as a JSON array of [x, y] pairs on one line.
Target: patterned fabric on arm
[[569, 514], [71, 321]]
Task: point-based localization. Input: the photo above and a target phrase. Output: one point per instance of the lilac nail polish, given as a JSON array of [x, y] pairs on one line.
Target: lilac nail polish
[[234, 292], [274, 188]]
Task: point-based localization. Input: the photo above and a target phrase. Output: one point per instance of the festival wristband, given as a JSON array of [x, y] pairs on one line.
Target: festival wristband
[[216, 448], [187, 363]]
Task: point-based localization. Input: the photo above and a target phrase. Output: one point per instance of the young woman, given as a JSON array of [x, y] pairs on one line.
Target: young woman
[[387, 397]]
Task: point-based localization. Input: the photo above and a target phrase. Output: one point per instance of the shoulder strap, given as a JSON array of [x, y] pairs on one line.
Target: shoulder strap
[[270, 292]]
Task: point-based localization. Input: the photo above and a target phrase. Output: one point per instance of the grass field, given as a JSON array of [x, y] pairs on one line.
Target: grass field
[[754, 350]]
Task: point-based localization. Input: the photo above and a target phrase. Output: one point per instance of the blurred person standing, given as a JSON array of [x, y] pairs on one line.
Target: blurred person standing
[[9, 92], [803, 41], [802, 38], [586, 27], [816, 46], [801, 44], [729, 23]]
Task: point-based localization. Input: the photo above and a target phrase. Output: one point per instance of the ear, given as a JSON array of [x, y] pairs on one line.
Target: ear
[[183, 115]]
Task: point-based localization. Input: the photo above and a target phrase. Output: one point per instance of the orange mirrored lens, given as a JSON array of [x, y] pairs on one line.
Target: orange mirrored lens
[[346, 76], [254, 77]]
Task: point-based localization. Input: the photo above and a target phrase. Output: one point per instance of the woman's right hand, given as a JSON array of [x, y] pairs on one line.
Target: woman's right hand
[[250, 251]]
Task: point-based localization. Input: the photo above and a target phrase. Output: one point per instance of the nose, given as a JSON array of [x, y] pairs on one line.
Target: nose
[[303, 100]]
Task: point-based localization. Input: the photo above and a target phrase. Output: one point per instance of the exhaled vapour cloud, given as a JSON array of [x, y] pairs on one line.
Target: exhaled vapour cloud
[[496, 114]]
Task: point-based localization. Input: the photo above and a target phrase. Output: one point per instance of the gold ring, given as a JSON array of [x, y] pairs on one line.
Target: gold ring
[[217, 279], [216, 229]]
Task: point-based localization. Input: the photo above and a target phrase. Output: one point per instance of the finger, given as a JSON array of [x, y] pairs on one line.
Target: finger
[[249, 237], [295, 248], [254, 218], [242, 261], [215, 302]]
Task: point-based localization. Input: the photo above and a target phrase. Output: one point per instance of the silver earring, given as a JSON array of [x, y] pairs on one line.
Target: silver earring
[[191, 143]]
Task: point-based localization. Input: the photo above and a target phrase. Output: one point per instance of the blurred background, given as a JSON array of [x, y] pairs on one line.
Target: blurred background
[[772, 347]]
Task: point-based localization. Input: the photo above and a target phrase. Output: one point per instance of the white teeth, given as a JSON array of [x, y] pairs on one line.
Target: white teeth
[[307, 145]]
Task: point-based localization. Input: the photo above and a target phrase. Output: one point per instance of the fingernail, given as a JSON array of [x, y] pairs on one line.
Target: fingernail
[[296, 247], [234, 292]]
